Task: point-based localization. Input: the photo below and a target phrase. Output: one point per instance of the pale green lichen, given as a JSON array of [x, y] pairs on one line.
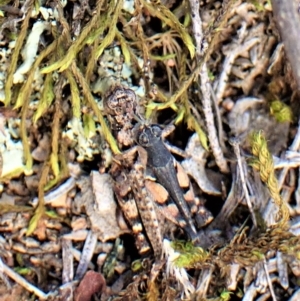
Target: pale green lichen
[[82, 140], [11, 150]]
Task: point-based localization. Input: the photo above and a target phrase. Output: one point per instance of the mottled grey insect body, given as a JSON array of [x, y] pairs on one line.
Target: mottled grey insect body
[[128, 171], [161, 162]]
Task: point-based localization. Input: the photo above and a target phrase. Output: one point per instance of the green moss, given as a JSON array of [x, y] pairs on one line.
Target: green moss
[[189, 255]]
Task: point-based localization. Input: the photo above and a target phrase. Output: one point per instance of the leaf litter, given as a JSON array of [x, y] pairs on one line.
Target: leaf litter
[[217, 75]]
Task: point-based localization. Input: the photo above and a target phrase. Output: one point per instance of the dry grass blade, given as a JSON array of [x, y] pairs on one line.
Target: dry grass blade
[[40, 210]]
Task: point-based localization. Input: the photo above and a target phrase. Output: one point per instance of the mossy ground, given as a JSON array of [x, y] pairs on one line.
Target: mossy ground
[[52, 56]]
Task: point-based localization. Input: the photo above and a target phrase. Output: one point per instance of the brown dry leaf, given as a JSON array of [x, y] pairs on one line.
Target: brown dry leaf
[[61, 201], [7, 199], [97, 198], [41, 152], [194, 165], [78, 223], [79, 235], [17, 188], [40, 231], [91, 284]]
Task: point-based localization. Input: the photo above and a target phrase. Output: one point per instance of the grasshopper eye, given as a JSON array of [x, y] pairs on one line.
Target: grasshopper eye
[[156, 130], [143, 139]]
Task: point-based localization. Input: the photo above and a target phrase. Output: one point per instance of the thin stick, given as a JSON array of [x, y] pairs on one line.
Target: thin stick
[[237, 152], [206, 89], [20, 280], [269, 280]]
